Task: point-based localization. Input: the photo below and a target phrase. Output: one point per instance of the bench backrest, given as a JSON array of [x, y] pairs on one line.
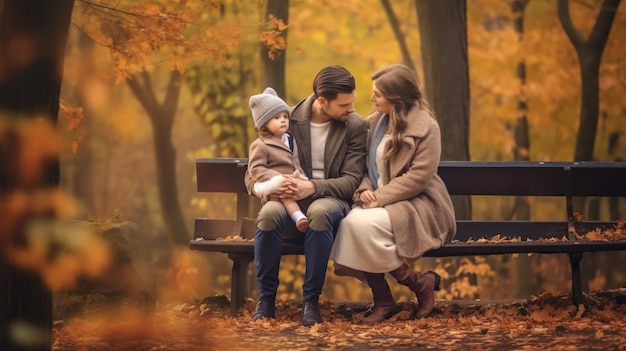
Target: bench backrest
[[565, 179], [527, 178], [223, 175]]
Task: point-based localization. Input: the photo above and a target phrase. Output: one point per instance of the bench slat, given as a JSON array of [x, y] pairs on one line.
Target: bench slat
[[599, 179], [239, 247], [468, 177], [449, 249], [211, 228], [220, 175], [534, 178], [511, 178], [533, 230], [464, 249]]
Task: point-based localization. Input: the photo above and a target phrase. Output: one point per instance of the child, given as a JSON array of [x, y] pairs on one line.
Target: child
[[274, 152]]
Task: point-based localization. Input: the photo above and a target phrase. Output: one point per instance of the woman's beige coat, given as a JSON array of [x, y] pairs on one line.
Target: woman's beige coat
[[415, 197]]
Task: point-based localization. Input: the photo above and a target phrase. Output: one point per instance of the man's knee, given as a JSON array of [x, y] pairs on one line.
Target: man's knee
[[323, 214], [270, 216]]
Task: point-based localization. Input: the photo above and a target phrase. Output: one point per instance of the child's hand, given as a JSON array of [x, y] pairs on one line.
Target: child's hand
[[287, 189]]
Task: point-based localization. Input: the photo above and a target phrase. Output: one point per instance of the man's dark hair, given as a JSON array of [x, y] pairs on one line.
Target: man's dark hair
[[331, 81]]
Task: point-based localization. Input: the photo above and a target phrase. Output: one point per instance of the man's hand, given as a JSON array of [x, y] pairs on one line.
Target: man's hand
[[287, 190], [305, 188], [293, 188]]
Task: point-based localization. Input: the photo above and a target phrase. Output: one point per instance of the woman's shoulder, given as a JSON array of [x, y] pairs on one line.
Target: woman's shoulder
[[356, 119], [373, 118]]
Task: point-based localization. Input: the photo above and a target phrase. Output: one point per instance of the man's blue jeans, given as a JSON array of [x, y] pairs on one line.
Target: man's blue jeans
[[274, 226]]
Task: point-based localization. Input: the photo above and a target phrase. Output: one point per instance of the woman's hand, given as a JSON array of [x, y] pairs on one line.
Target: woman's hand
[[369, 199]]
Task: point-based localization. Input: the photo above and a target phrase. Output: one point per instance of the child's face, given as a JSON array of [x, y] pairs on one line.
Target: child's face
[[279, 124]]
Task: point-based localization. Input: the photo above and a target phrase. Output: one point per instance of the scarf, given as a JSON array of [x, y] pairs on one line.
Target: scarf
[[379, 132]]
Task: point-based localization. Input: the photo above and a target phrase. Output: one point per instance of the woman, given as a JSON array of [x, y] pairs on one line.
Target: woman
[[403, 208]]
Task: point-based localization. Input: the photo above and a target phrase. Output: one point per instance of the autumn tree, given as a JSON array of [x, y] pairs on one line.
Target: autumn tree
[[589, 53], [133, 35], [143, 37], [33, 35]]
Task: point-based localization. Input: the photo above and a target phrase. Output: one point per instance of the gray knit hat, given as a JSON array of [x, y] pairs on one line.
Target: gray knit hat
[[265, 106]]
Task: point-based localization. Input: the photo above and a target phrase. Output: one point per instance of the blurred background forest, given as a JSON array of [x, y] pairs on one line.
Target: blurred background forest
[[149, 86]]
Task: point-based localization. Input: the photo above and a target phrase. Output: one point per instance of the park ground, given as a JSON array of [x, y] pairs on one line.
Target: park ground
[[546, 321]]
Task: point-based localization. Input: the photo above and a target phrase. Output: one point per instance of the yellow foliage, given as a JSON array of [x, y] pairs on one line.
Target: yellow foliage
[[463, 289], [479, 267]]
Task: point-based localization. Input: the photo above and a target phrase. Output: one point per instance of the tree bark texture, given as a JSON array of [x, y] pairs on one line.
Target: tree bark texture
[[33, 35], [443, 33], [521, 208]]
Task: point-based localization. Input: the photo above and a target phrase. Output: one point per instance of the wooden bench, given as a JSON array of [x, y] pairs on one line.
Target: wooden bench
[[560, 179]]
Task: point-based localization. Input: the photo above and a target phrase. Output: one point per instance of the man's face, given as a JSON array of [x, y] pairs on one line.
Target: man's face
[[340, 107]]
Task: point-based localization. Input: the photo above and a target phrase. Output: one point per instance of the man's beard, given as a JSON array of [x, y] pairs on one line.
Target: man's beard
[[341, 118]]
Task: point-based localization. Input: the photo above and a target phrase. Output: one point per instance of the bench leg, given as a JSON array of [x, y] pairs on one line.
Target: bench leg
[[238, 281], [577, 288]]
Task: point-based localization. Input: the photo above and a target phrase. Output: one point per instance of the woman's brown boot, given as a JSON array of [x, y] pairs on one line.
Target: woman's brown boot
[[423, 285], [384, 304]]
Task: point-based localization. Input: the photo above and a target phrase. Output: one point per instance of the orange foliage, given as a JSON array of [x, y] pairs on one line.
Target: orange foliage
[[75, 116], [142, 35]]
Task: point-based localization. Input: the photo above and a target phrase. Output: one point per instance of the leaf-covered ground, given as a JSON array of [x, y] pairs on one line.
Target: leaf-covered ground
[[546, 322]]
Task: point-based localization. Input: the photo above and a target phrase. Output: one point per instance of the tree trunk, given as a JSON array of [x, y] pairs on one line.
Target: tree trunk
[[521, 208], [33, 35], [162, 119], [614, 137], [273, 70], [83, 180], [443, 32]]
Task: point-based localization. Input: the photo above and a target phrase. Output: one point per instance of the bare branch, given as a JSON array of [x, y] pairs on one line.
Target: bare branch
[[400, 37], [111, 10], [604, 22], [568, 26]]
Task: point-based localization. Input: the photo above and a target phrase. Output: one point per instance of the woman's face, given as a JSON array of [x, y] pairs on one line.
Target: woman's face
[[381, 104]]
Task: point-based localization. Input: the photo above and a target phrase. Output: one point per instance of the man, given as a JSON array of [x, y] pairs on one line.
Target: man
[[331, 139]]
